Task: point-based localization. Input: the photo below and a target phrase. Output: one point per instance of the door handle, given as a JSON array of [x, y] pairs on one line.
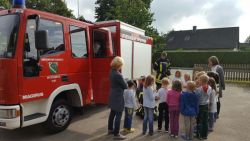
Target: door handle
[[64, 78]]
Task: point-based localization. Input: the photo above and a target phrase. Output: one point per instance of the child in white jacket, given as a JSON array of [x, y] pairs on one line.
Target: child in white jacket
[[213, 104]]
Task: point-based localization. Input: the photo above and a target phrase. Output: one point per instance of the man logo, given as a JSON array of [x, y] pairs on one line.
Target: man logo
[[53, 67]]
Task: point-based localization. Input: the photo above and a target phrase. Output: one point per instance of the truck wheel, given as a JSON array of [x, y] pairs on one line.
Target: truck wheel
[[59, 117]]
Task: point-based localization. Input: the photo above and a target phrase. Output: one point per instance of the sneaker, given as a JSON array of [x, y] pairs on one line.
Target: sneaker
[[171, 135], [176, 136], [119, 137], [159, 130], [129, 131], [143, 133], [166, 131]]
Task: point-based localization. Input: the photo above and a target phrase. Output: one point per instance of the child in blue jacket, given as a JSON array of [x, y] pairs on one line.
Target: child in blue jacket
[[189, 109]]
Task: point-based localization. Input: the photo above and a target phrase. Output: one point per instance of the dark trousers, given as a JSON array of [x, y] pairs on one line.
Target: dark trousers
[[148, 120], [202, 121], [114, 126], [218, 107], [128, 118], [163, 113]]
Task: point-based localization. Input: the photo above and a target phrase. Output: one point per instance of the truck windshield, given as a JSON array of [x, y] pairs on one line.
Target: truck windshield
[[8, 35]]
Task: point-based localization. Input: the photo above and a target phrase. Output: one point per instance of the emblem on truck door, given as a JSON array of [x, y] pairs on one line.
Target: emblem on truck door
[[53, 67]]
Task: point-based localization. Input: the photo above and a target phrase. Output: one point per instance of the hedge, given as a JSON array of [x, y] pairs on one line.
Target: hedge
[[188, 59]]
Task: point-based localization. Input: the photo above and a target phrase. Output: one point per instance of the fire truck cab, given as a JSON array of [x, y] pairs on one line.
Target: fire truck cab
[[50, 64]]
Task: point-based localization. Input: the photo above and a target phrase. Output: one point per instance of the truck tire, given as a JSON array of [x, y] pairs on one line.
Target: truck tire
[[59, 117]]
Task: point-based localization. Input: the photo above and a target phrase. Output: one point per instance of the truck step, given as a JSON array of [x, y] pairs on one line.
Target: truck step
[[34, 116]]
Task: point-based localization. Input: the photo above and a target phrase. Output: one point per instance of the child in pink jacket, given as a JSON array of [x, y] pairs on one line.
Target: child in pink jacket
[[173, 100]]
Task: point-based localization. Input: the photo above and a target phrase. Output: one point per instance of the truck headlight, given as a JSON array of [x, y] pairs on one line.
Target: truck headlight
[[9, 113]]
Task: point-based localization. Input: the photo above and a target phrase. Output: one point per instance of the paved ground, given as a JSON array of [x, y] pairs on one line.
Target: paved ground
[[233, 125]]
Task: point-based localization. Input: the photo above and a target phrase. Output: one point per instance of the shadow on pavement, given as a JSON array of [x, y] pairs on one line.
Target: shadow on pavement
[[36, 132]]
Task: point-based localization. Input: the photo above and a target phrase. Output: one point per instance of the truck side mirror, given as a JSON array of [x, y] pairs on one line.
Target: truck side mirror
[[41, 39]]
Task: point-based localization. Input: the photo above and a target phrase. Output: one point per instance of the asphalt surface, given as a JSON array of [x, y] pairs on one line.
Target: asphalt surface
[[233, 125]]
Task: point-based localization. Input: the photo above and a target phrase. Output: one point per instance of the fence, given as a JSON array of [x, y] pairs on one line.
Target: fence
[[232, 72]]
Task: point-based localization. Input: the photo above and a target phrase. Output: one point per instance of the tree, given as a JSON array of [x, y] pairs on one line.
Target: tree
[[134, 12], [247, 39], [105, 10], [81, 18], [52, 6], [5, 4]]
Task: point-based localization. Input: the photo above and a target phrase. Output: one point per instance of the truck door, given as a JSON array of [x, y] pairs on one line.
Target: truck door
[[105, 43], [79, 58], [43, 70]]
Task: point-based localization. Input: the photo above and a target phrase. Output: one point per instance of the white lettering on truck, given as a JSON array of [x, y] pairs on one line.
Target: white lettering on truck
[[29, 96]]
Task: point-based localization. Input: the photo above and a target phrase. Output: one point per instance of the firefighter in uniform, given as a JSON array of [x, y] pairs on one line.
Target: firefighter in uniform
[[162, 67]]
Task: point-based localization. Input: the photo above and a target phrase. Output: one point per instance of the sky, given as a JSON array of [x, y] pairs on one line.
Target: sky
[[184, 14]]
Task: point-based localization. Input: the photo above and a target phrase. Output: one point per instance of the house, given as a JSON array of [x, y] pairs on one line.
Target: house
[[204, 39]]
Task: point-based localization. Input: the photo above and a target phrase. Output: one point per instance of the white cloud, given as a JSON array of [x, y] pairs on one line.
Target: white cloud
[[187, 23], [244, 20], [223, 13]]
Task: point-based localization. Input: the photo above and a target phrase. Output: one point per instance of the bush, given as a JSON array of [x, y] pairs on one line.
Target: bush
[[188, 59]]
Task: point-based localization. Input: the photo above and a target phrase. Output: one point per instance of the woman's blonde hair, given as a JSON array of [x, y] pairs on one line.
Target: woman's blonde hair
[[149, 81], [117, 63]]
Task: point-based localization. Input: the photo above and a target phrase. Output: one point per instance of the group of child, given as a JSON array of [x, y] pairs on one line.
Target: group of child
[[195, 100]]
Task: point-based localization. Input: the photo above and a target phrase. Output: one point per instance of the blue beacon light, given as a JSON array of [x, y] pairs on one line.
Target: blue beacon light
[[18, 4]]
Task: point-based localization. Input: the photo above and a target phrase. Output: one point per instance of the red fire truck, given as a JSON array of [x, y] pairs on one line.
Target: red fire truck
[[50, 64]]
